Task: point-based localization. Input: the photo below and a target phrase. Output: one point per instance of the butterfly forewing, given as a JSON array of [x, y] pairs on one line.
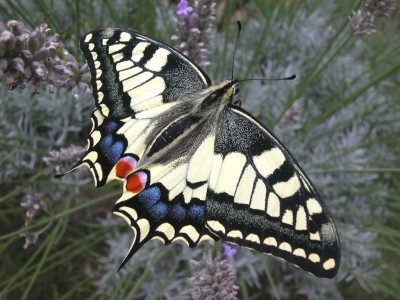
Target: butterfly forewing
[[131, 72], [259, 198], [133, 77]]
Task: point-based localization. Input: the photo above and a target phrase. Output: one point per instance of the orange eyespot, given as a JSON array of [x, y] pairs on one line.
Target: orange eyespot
[[136, 182], [125, 166]]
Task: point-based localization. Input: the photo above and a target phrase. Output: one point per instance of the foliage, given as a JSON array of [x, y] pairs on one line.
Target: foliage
[[340, 118]]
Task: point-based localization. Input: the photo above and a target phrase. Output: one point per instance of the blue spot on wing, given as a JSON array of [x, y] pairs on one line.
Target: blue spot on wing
[[106, 142], [150, 196], [159, 211], [196, 213], [177, 212], [112, 151], [110, 127], [115, 151]]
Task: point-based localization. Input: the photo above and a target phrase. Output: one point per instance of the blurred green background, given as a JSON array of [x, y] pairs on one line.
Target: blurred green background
[[340, 118]]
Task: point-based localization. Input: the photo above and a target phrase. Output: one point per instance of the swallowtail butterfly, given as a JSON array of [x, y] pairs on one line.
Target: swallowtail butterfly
[[194, 165]]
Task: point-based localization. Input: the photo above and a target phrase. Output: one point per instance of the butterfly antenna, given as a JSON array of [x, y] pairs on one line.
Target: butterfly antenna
[[284, 78], [234, 50]]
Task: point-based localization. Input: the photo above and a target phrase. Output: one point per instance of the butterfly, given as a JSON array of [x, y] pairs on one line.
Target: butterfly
[[194, 165]]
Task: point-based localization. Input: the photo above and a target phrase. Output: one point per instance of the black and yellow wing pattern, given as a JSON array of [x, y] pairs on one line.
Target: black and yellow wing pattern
[[194, 165], [134, 78]]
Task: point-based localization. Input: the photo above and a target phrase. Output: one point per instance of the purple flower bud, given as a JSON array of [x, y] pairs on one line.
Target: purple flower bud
[[33, 43], [84, 87], [38, 69], [184, 8], [18, 65], [213, 279], [73, 67], [194, 19], [84, 68], [64, 158], [194, 29], [229, 252], [17, 27], [60, 69], [7, 40], [26, 55], [20, 42], [33, 204], [41, 54], [30, 238]]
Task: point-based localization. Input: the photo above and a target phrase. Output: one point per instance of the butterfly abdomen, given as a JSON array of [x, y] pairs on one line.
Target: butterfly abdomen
[[177, 129]]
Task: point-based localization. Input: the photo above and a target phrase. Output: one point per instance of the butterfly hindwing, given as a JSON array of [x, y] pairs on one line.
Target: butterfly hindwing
[[168, 201], [260, 198], [114, 147]]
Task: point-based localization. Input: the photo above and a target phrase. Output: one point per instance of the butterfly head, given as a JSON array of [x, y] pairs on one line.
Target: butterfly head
[[221, 94], [227, 89]]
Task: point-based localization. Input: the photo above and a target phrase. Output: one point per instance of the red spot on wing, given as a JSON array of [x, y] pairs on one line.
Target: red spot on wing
[[136, 182], [125, 166]]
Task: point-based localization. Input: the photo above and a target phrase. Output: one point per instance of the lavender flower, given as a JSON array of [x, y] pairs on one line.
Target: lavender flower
[[362, 21], [184, 8], [64, 158], [380, 8], [292, 115], [194, 31], [34, 204], [213, 280], [30, 238], [229, 252], [32, 57]]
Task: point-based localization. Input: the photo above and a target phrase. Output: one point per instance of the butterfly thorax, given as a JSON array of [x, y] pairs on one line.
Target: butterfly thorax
[[221, 93]]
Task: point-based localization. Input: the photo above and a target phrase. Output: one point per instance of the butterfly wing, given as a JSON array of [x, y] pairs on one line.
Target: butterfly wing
[[130, 74], [259, 197]]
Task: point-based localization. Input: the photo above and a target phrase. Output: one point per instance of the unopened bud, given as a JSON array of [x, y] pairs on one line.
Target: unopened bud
[[16, 27], [20, 42], [84, 68], [7, 41], [41, 54], [38, 69], [194, 19], [60, 69], [26, 55], [41, 33], [72, 67], [33, 43], [18, 65]]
